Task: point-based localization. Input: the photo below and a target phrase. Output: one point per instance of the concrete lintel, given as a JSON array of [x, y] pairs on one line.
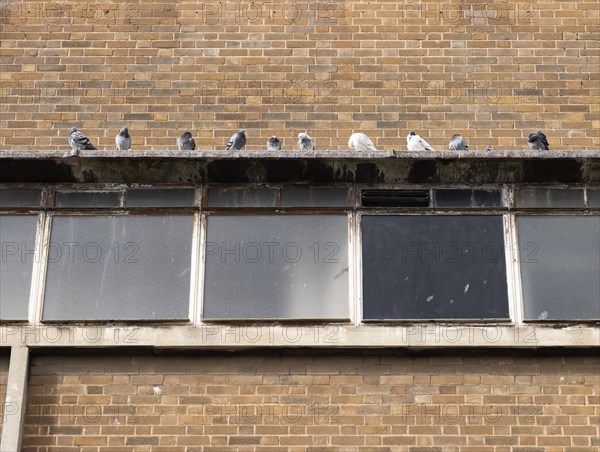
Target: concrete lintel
[[15, 403], [240, 336]]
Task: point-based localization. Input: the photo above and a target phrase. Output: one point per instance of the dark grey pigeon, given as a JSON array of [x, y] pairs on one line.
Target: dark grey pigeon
[[237, 141], [458, 143], [185, 142], [305, 142], [123, 140], [537, 141], [273, 144], [78, 141]]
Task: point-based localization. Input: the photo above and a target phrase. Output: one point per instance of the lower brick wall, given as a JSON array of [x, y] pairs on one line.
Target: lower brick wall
[[309, 401]]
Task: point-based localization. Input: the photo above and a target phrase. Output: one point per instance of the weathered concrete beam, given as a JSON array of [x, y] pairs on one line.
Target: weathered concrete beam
[[16, 394]]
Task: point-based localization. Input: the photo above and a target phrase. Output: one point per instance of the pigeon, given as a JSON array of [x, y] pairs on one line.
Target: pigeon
[[537, 141], [123, 140], [305, 142], [458, 143], [237, 140], [489, 148], [78, 141], [273, 144], [360, 142], [415, 143], [186, 143]]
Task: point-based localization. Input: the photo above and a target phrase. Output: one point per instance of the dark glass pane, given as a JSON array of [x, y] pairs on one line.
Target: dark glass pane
[[232, 197], [20, 198], [467, 198], [277, 267], [17, 237], [119, 267], [433, 267], [552, 197], [314, 197], [560, 267], [593, 198], [88, 199], [395, 198], [160, 198]]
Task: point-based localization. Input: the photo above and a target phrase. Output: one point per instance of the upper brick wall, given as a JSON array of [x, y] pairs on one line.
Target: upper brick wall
[[492, 71]]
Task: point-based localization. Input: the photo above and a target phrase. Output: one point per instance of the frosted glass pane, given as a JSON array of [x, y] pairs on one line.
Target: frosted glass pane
[[433, 267], [88, 199], [160, 198], [314, 197], [232, 197], [277, 267], [468, 198], [593, 198], [20, 198], [560, 266], [119, 267], [17, 237], [553, 197]]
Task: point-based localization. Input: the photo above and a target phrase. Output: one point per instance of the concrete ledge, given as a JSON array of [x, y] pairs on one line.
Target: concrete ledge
[[241, 336], [320, 154], [16, 394]]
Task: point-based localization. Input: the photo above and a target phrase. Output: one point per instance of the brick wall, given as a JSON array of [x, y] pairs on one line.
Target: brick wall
[[491, 70], [305, 401]]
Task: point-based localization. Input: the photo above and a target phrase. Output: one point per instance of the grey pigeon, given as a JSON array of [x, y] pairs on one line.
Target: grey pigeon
[[415, 143], [237, 140], [78, 141], [458, 143], [273, 144], [489, 148], [305, 142], [360, 142], [123, 140], [537, 141], [185, 142]]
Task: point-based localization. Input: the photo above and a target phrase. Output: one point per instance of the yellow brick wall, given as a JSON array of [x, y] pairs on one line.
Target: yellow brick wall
[[493, 71], [302, 401]]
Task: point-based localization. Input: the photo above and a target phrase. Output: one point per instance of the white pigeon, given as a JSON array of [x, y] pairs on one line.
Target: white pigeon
[[78, 141], [273, 144], [415, 143], [458, 143], [305, 143], [360, 142], [123, 140]]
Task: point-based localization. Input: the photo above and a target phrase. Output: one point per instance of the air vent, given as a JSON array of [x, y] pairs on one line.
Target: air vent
[[395, 198]]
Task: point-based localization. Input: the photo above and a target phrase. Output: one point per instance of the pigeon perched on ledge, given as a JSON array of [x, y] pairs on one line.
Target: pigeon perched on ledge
[[305, 143], [185, 142], [273, 144], [78, 141], [123, 140], [360, 142], [237, 140], [537, 141], [458, 143], [415, 143]]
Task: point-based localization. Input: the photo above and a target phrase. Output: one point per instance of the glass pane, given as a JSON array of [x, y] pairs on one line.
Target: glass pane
[[88, 199], [277, 267], [119, 267], [395, 198], [593, 198], [433, 267], [553, 197], [560, 267], [467, 198], [20, 198], [314, 197], [232, 197], [17, 237], [160, 198]]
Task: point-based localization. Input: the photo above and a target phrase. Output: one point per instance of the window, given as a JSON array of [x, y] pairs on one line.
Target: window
[[118, 267], [549, 197], [276, 267], [560, 267], [433, 267], [17, 240]]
